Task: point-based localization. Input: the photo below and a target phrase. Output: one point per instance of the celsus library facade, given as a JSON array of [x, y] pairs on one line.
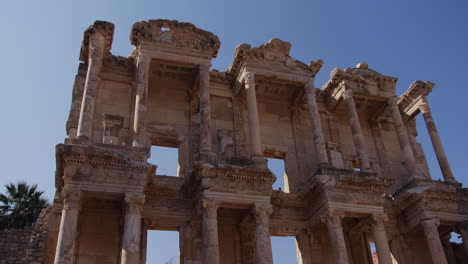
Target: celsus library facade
[[355, 173]]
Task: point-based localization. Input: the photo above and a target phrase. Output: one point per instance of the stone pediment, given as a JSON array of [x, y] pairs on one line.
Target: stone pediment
[[362, 80], [174, 34], [275, 52]]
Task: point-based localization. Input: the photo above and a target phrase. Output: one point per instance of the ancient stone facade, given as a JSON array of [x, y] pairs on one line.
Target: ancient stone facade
[[355, 172]]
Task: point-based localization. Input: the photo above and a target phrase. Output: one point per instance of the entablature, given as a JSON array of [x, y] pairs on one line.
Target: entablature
[[409, 102]]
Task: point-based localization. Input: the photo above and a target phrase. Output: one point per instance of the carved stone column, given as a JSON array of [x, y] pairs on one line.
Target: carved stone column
[[141, 101], [131, 244], [463, 230], [205, 108], [263, 254], [436, 142], [210, 231], [252, 109], [403, 139], [381, 242], [95, 61], [65, 250], [303, 248], [448, 248], [335, 230], [433, 240], [358, 138], [316, 123]]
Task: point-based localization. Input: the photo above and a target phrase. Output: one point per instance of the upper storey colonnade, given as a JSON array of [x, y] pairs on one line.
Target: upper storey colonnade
[[184, 43]]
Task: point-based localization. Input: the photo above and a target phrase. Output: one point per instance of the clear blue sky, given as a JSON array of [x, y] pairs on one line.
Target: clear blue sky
[[411, 40]]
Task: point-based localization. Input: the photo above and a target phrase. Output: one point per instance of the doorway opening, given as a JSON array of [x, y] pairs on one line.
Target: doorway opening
[[162, 247], [284, 249]]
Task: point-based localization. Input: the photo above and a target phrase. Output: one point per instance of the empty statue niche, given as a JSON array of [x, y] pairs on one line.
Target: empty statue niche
[[284, 249], [162, 247]]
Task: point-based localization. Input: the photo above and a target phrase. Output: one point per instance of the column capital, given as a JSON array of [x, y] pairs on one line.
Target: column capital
[[249, 78], [347, 94], [378, 221], [392, 101], [424, 105], [332, 218], [142, 59], [134, 201], [208, 204], [431, 222], [262, 212], [71, 198], [310, 85], [204, 67]]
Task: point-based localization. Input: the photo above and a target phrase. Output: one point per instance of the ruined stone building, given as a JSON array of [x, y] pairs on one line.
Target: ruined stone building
[[354, 171]]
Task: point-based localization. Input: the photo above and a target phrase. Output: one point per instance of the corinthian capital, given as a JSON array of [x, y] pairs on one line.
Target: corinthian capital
[[262, 210], [424, 106], [134, 202], [71, 198], [333, 218], [204, 67], [310, 86], [348, 94], [249, 78]]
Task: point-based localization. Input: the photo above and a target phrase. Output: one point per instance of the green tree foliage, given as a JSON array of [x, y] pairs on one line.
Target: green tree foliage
[[20, 205]]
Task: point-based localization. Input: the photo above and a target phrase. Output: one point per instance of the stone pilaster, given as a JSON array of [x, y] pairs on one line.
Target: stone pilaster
[[205, 108], [381, 241], [433, 240], [141, 101], [252, 109], [263, 254], [65, 250], [335, 230], [316, 123], [96, 54], [131, 244], [356, 130], [403, 139], [436, 142], [210, 231], [448, 248], [463, 230]]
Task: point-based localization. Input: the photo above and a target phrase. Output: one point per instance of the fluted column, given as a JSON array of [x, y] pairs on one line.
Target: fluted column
[[141, 101], [252, 109], [436, 142], [402, 133], [95, 61], [356, 130], [210, 231], [131, 244], [433, 241], [448, 248], [335, 230], [315, 121], [263, 253], [380, 237], [463, 230], [65, 250], [205, 108]]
